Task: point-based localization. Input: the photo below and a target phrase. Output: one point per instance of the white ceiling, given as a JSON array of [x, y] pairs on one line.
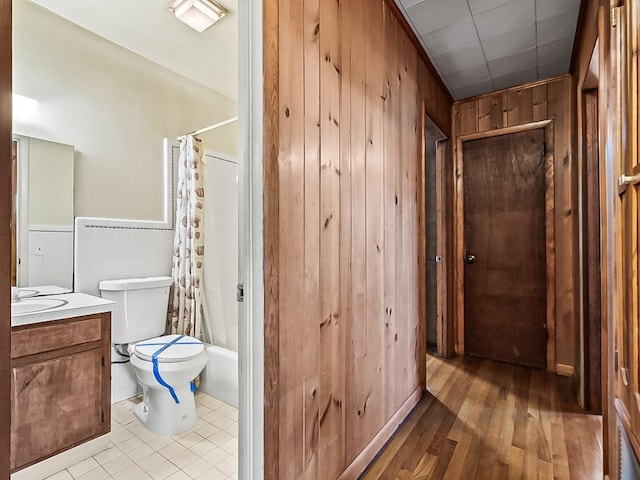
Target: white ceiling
[[147, 28], [480, 46]]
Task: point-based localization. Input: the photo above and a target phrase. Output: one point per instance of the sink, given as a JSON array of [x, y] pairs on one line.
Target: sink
[[36, 305], [27, 292]]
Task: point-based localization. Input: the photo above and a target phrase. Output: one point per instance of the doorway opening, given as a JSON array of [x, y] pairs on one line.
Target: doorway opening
[[437, 172]]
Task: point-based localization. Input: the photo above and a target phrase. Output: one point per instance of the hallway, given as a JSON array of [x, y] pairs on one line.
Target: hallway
[[487, 420]]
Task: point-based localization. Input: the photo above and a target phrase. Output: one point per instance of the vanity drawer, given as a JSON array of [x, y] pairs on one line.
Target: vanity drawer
[[40, 338]]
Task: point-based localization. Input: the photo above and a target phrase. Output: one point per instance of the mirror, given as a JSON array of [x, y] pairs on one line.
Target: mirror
[[43, 215]]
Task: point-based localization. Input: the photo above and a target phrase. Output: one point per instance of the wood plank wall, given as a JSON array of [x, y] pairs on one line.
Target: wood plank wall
[[346, 93], [550, 99], [5, 234]]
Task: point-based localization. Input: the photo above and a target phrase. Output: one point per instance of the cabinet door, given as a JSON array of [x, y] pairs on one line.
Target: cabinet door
[[56, 404]]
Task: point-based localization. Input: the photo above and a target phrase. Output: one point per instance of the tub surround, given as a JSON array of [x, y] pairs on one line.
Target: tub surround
[[78, 304]]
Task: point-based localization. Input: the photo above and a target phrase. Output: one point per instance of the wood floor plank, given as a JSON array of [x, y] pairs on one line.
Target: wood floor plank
[[489, 420]]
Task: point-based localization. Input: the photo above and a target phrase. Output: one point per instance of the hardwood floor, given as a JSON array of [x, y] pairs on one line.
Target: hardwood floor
[[482, 419]]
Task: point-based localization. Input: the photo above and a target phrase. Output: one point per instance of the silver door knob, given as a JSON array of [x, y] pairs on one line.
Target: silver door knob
[[469, 258]]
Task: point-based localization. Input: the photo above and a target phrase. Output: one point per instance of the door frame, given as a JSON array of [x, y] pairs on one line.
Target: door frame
[[458, 214]]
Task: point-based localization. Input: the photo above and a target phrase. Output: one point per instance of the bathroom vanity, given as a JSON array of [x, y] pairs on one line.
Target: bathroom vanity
[[61, 377]]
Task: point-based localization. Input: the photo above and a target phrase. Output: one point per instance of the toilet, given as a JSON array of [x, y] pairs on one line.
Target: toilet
[[165, 365]]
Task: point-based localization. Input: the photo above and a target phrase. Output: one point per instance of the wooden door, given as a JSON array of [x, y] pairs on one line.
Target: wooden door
[[505, 248]]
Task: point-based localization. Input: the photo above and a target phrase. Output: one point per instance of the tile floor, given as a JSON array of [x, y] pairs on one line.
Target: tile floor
[[210, 451]]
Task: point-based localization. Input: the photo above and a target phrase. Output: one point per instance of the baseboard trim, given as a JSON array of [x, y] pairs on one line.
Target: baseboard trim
[[566, 370], [364, 458]]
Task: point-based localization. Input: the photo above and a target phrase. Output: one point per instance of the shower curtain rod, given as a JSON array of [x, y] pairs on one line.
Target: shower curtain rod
[[212, 127]]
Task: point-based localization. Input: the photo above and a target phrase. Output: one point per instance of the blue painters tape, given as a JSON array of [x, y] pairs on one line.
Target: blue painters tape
[[193, 386], [156, 372]]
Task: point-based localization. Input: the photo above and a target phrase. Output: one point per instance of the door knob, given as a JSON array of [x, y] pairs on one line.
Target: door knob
[[469, 258]]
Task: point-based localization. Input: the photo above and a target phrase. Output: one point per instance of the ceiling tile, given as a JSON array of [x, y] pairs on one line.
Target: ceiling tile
[[515, 79], [510, 16], [553, 69], [555, 50], [510, 42], [479, 6], [468, 76], [473, 90], [557, 28], [451, 38], [551, 8], [431, 15], [409, 3], [460, 59], [524, 60]]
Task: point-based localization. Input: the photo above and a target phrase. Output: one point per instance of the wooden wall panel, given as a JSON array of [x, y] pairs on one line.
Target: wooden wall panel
[[5, 233], [345, 306], [534, 102]]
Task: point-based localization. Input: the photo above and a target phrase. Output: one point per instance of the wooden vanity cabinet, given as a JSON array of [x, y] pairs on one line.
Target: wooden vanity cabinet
[[60, 386]]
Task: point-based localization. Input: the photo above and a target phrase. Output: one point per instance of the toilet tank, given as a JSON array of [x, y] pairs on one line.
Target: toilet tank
[[141, 307]]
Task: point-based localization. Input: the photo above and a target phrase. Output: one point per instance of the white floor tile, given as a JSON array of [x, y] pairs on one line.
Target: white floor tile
[[230, 446], [226, 409], [132, 472], [179, 475], [171, 451], [63, 475], [215, 456], [220, 437], [232, 429], [203, 447], [184, 459], [160, 442], [83, 467], [222, 422], [95, 474], [209, 452], [196, 468], [190, 440], [229, 465], [213, 474], [141, 452], [163, 470], [206, 430], [108, 455], [120, 463], [152, 461], [130, 444]]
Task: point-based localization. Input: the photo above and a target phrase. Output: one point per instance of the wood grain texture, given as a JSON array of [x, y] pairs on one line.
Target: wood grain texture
[[346, 96], [505, 287], [486, 420], [5, 233], [61, 386], [271, 70], [531, 104]]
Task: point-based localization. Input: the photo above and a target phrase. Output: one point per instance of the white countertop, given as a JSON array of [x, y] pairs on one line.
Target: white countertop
[[78, 304]]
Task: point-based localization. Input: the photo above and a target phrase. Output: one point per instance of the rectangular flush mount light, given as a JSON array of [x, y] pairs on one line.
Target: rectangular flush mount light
[[198, 14]]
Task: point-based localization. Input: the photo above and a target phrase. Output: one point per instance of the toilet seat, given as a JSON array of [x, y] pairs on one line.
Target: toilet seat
[[169, 349]]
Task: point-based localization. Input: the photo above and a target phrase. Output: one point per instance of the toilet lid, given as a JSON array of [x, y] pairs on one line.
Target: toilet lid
[[169, 348]]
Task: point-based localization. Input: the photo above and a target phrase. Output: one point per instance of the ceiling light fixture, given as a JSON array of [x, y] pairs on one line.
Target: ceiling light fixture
[[198, 14]]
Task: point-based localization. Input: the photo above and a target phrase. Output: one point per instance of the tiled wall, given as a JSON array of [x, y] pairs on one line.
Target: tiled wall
[[108, 249], [50, 259]]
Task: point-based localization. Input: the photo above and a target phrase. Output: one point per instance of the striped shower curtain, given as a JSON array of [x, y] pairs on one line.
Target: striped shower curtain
[[185, 305]]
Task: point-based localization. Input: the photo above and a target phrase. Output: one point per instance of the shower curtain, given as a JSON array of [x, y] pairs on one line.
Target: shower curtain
[[185, 307]]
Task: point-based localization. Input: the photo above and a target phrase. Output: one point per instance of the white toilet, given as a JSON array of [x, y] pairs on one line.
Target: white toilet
[[165, 366]]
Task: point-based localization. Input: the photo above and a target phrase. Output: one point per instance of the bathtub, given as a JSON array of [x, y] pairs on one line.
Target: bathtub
[[220, 377]]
